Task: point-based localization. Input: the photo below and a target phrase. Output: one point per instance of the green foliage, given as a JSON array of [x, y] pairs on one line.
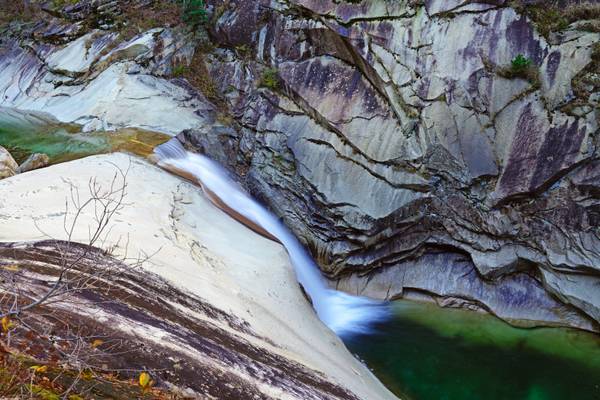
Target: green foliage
[[270, 78], [194, 12], [520, 63], [43, 394], [243, 50], [58, 4], [523, 68], [180, 70]]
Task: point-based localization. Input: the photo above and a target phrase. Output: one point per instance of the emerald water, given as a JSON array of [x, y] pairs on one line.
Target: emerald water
[[25, 133], [431, 353]]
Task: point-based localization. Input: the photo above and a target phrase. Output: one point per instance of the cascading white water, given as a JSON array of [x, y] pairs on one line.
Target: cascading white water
[[342, 313]]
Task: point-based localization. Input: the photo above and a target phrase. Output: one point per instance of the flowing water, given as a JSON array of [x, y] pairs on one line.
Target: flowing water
[[342, 313], [429, 353], [423, 352]]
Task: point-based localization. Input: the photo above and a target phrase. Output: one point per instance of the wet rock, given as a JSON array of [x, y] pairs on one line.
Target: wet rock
[[34, 161], [452, 280], [8, 165]]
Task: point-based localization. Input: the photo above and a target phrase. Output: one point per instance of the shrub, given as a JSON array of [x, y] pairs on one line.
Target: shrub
[[521, 67], [57, 4], [520, 63], [180, 70], [270, 78]]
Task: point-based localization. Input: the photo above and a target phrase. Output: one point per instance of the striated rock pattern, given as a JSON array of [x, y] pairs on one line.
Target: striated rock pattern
[[393, 137], [389, 136], [192, 349], [74, 65]]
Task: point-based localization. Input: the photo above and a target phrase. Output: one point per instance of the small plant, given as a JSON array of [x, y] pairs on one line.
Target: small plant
[[180, 70], [523, 68], [243, 50], [57, 4], [520, 63], [270, 78], [194, 11]]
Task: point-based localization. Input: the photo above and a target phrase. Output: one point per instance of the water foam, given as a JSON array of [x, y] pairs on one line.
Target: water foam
[[341, 312]]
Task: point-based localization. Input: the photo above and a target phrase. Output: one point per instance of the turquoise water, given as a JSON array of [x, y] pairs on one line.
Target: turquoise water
[[430, 353], [23, 134]]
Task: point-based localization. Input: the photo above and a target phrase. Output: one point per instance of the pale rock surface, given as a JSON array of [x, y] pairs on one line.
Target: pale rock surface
[[201, 250], [78, 83]]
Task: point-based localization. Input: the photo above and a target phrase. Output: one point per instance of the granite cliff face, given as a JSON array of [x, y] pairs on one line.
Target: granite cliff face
[[391, 136], [394, 143]]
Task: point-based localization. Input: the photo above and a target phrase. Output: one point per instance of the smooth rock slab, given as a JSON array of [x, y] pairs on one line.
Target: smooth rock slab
[[197, 249]]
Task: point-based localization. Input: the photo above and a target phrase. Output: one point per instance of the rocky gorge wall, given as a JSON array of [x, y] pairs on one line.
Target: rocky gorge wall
[[394, 144], [392, 137]]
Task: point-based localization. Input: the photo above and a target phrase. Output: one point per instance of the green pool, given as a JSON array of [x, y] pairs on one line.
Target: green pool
[[24, 133], [431, 353]]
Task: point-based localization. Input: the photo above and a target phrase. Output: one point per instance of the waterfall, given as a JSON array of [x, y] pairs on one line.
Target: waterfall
[[341, 312]]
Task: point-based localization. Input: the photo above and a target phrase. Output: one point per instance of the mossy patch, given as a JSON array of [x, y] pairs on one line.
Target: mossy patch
[[197, 74], [270, 79]]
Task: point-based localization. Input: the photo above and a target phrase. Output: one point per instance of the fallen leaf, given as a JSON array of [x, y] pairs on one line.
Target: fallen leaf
[[39, 368], [144, 380], [6, 323]]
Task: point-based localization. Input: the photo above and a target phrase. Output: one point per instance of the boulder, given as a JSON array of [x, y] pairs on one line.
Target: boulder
[[8, 165], [34, 161]]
